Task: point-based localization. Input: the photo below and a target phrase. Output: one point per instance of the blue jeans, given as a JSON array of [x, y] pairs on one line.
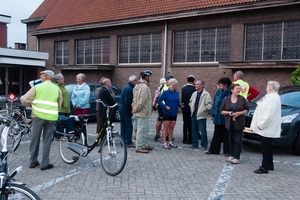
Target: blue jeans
[[196, 124], [126, 128]]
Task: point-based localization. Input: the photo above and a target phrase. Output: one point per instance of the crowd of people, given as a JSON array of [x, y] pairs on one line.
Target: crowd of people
[[227, 110]]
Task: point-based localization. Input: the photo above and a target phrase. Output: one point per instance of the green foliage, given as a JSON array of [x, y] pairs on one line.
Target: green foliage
[[295, 78]]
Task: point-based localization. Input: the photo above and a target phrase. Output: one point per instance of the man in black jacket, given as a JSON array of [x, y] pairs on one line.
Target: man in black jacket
[[186, 93]]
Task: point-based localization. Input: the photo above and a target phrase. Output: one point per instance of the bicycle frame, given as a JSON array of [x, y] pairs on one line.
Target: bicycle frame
[[84, 149]]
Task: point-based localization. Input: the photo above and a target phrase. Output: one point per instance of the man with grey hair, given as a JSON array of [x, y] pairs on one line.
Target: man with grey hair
[[200, 104], [45, 100], [125, 110], [247, 91]]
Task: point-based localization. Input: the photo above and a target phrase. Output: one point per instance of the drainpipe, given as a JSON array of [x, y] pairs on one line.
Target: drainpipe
[[165, 50]]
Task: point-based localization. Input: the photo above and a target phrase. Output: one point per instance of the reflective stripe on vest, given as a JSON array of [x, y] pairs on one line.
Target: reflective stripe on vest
[[244, 87], [45, 105]]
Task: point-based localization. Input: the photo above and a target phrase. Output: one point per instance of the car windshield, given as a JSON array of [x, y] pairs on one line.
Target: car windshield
[[291, 99]]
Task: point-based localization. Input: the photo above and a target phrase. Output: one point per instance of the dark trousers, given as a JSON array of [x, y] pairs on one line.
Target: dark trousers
[[267, 152], [220, 135], [187, 127], [235, 142], [126, 128]]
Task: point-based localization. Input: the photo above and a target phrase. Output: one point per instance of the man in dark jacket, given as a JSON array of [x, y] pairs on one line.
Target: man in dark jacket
[[125, 110], [105, 95], [186, 93]]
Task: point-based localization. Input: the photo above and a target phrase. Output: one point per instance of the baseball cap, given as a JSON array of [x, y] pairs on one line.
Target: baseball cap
[[48, 72]]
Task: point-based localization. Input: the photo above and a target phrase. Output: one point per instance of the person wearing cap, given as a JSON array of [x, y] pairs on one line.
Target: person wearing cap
[[160, 118], [64, 110], [45, 100], [186, 93], [247, 91], [142, 107], [81, 96], [220, 132]]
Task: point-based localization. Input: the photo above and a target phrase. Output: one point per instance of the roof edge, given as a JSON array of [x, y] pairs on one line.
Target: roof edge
[[164, 17], [37, 19]]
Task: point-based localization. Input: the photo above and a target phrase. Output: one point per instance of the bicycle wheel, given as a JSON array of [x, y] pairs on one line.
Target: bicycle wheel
[[68, 155], [113, 154], [15, 191], [14, 136]]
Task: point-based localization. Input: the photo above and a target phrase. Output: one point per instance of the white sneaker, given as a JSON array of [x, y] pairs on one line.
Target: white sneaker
[[229, 159], [235, 161]]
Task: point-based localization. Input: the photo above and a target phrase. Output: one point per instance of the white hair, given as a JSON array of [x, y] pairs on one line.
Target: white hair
[[274, 85], [172, 80], [131, 78], [162, 81]]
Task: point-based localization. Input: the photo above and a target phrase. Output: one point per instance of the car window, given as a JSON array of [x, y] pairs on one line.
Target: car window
[[291, 99], [92, 89], [117, 92]]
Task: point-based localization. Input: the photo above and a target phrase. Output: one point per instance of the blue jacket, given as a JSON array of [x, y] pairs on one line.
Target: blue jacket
[[215, 111], [81, 96], [170, 99], [126, 99]]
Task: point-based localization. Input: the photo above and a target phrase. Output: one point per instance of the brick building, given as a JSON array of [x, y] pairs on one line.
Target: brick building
[[209, 39]]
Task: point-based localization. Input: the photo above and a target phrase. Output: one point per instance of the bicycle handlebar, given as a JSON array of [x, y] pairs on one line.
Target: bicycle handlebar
[[104, 104]]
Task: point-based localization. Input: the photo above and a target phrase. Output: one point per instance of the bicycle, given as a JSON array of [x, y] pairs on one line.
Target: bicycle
[[10, 189], [113, 150], [16, 129]]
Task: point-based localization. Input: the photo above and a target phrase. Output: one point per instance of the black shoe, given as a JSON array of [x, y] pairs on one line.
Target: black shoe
[[261, 171], [33, 165], [50, 166], [189, 142], [156, 137], [271, 168]]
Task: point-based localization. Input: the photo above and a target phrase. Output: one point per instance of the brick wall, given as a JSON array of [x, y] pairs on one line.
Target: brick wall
[[257, 76]]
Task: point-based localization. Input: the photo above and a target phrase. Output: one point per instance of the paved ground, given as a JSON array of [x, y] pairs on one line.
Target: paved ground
[[164, 174]]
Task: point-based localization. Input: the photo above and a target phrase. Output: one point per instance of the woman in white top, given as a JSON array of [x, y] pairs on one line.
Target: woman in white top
[[266, 122]]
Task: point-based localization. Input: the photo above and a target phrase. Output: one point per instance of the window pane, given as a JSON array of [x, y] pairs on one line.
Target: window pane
[[291, 40], [254, 34], [179, 46], [61, 53], [208, 45], [193, 46], [272, 41], [223, 44], [80, 52], [140, 48]]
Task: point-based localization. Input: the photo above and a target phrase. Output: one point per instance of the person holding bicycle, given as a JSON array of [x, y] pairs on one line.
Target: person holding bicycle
[[105, 95], [125, 110], [142, 107], [45, 99]]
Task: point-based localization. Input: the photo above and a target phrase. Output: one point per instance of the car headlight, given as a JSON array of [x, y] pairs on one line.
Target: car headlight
[[289, 118]]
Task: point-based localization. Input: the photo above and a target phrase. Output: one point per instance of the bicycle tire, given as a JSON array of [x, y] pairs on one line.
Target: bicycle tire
[[15, 191], [14, 136], [68, 155], [22, 121], [113, 161]]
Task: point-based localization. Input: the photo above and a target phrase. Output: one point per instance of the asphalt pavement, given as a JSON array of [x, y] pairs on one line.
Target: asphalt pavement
[[180, 173]]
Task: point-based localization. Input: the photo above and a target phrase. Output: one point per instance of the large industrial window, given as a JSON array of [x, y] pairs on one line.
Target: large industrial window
[[273, 41], [92, 51], [205, 45], [144, 48], [62, 53]]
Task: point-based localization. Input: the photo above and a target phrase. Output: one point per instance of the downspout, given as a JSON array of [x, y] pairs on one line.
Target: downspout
[[165, 50]]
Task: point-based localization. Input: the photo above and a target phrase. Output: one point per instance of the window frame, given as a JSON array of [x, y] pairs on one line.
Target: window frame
[[140, 55], [64, 47]]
